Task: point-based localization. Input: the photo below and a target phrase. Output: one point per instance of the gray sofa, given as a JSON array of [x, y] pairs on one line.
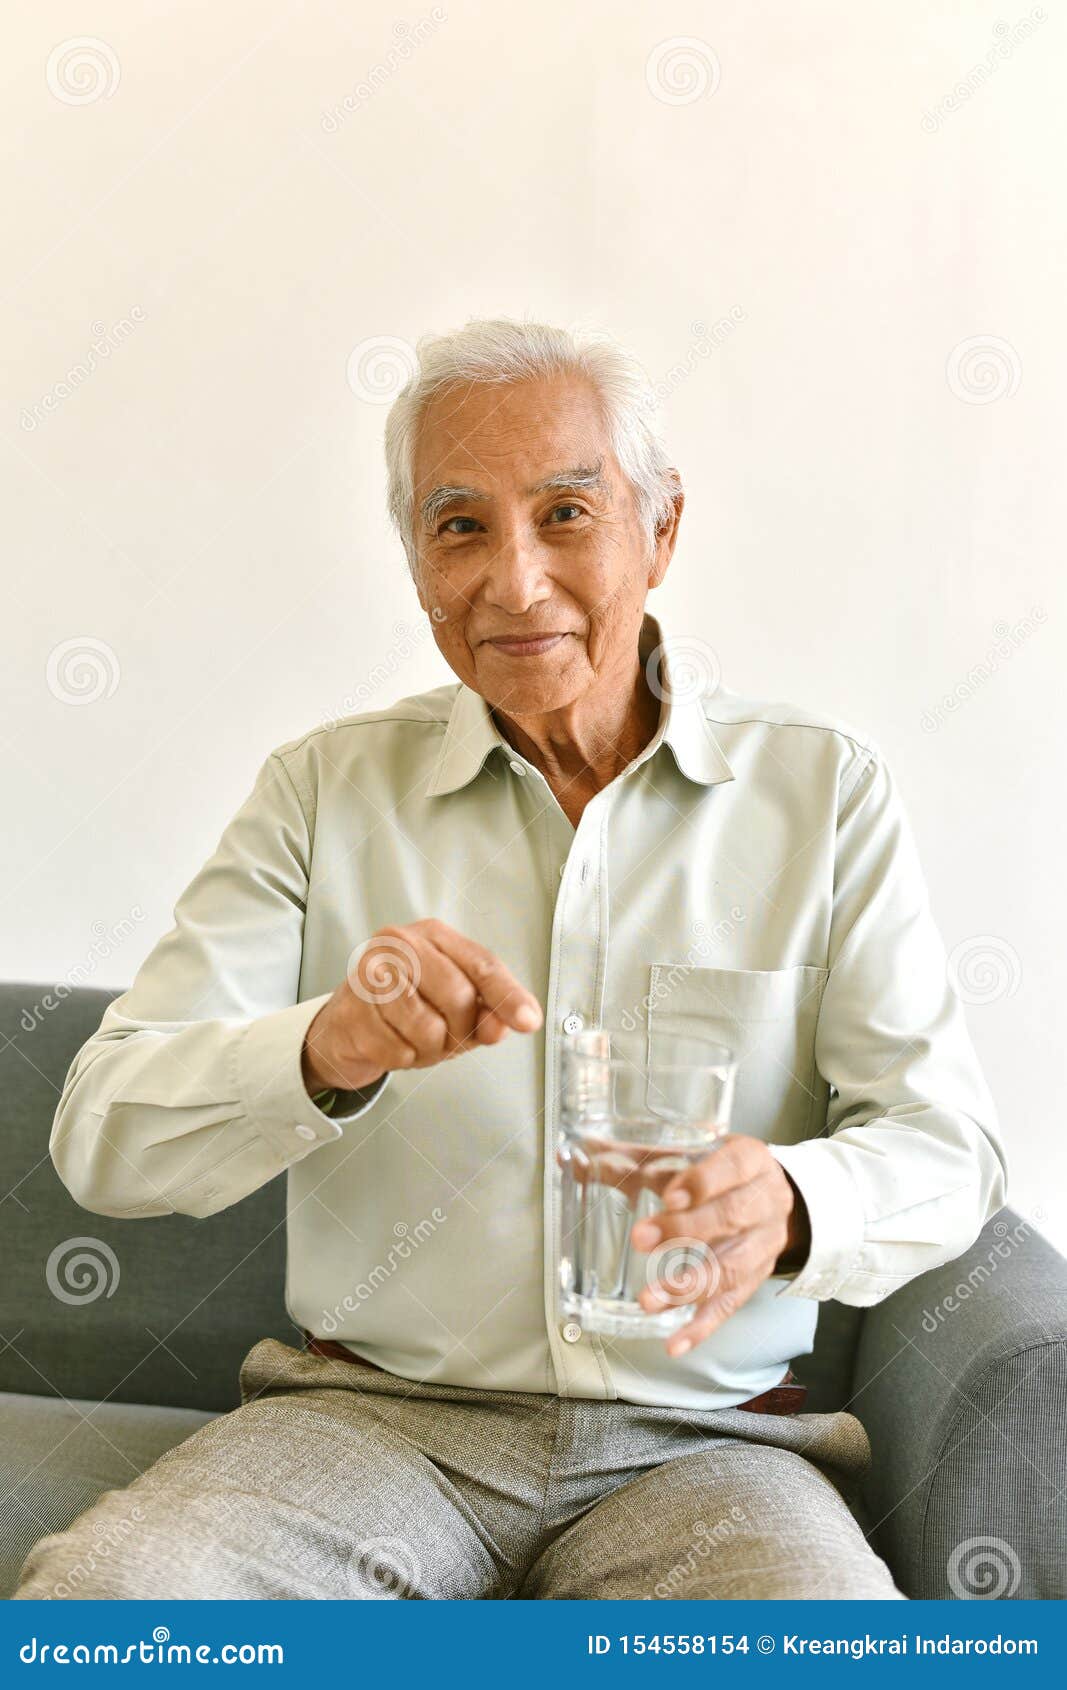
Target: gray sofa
[[960, 1378]]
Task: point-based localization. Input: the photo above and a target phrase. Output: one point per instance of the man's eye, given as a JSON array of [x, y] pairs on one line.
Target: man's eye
[[445, 526], [577, 509]]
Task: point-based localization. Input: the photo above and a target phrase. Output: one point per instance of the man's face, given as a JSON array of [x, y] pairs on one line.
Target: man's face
[[505, 555]]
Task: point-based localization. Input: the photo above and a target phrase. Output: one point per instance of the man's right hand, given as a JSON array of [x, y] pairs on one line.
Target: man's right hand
[[414, 996]]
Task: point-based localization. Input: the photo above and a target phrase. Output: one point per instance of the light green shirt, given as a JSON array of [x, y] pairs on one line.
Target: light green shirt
[[750, 874]]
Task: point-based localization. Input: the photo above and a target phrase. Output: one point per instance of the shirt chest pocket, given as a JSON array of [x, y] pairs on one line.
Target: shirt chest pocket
[[768, 1018]]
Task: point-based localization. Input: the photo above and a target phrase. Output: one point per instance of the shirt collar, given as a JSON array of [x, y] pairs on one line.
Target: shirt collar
[[471, 733]]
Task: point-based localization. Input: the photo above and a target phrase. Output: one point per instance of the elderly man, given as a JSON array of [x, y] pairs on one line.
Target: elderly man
[[364, 986]]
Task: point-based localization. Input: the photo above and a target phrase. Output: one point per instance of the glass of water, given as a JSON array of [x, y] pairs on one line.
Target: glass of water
[[634, 1113]]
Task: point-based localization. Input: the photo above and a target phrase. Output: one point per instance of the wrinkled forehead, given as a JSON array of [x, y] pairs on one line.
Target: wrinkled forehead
[[501, 436]]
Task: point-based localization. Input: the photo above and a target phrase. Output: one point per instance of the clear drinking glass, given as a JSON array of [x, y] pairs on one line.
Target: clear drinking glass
[[629, 1122]]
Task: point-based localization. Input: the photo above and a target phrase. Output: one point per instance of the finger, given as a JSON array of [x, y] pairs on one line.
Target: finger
[[684, 1272], [734, 1160], [491, 1027], [497, 987], [627, 1168], [690, 1271], [654, 1169], [576, 1166], [707, 1319], [412, 1018], [431, 1038], [424, 995], [738, 1209], [488, 1029], [710, 1316], [432, 1002]]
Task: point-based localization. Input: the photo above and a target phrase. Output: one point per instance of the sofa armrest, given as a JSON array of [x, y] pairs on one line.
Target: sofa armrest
[[961, 1381]]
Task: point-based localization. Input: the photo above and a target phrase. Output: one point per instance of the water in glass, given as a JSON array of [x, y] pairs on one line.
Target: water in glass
[[634, 1112]]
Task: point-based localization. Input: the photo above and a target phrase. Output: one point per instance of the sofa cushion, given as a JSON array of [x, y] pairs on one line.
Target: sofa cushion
[[57, 1457], [156, 1310]]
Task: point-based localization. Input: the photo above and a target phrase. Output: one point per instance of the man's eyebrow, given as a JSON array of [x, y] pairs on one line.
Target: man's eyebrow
[[582, 475], [435, 502], [590, 476]]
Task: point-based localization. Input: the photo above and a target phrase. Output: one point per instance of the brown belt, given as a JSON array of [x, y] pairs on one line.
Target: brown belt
[[787, 1397]]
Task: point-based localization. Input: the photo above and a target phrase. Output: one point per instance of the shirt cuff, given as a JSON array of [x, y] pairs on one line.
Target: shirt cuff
[[835, 1214], [271, 1084]]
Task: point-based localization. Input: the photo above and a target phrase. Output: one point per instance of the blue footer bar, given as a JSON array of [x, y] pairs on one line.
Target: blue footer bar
[[534, 1643]]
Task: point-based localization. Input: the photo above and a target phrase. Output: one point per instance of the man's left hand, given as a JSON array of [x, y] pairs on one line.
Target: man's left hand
[[740, 1204]]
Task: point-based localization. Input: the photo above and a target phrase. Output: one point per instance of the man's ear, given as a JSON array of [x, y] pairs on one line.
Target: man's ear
[[666, 539]]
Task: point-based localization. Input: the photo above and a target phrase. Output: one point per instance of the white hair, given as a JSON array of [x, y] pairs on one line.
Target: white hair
[[500, 349]]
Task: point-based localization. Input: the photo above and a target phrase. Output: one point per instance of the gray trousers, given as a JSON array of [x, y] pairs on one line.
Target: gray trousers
[[337, 1480]]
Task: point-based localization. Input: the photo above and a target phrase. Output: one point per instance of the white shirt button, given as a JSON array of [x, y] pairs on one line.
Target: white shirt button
[[520, 768], [572, 1023], [571, 1332], [305, 1132]]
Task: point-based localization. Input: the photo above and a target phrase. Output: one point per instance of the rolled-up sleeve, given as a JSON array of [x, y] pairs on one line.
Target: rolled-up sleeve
[[190, 1095], [911, 1164]]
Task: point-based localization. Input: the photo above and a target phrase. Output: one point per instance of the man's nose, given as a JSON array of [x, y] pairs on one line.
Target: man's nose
[[516, 575]]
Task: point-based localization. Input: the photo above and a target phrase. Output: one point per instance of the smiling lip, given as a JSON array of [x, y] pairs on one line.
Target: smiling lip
[[528, 648]]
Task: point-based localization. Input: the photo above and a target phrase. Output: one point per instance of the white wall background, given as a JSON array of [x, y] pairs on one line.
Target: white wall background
[[872, 508]]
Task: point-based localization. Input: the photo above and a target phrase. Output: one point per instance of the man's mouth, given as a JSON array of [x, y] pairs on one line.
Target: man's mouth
[[527, 647]]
